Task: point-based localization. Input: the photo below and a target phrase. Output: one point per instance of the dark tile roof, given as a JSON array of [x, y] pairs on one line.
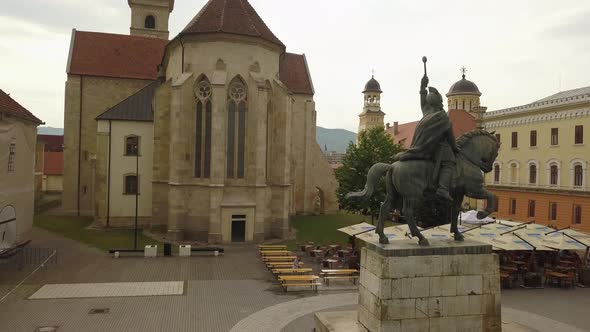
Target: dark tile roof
[[112, 55], [231, 16], [137, 107], [10, 106], [53, 143], [294, 73]]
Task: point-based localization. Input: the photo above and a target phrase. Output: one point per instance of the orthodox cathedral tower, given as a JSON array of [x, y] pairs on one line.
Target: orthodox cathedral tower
[[465, 95], [372, 116]]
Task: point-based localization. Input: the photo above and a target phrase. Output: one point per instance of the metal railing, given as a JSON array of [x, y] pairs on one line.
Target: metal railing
[[21, 257]]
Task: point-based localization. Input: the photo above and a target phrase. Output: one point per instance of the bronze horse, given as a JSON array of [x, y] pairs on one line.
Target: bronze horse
[[408, 180]]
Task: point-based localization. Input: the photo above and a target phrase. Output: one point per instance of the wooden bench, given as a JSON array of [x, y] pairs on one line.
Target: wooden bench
[[279, 258], [292, 271], [265, 248], [300, 281], [275, 253], [285, 265], [350, 274]]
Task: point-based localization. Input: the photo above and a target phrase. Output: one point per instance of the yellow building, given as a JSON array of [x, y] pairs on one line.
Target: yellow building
[[372, 115], [541, 170]]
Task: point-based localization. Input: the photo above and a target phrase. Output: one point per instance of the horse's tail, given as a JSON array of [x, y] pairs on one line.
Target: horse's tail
[[375, 173]]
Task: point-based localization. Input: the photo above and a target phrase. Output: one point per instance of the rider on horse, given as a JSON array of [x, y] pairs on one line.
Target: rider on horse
[[434, 139]]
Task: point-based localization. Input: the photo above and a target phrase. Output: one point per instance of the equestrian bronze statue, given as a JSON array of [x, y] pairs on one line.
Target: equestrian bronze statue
[[434, 162]]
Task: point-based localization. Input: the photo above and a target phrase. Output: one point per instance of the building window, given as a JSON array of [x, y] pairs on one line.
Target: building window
[[553, 175], [203, 118], [532, 174], [531, 209], [554, 136], [236, 128], [496, 204], [150, 22], [11, 157], [131, 187], [578, 175], [579, 135], [132, 145], [512, 206], [513, 173], [577, 216], [514, 139], [552, 211], [533, 138], [496, 173]]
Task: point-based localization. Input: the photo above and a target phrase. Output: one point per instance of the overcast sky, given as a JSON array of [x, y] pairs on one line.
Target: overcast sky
[[515, 51]]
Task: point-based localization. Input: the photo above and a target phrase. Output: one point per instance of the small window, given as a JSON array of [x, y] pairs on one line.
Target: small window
[[132, 146], [533, 138], [514, 139], [131, 185], [552, 211], [150, 22], [496, 173], [577, 217], [533, 174], [553, 174], [11, 157], [578, 175], [512, 206], [496, 205], [554, 136], [531, 209], [579, 135]]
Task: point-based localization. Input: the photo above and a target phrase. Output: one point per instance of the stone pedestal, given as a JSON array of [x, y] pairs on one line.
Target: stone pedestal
[[448, 286]]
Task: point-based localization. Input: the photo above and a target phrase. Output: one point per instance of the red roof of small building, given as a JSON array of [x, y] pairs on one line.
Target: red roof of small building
[[53, 143], [231, 16], [12, 107], [294, 73], [53, 163], [462, 122], [113, 55]]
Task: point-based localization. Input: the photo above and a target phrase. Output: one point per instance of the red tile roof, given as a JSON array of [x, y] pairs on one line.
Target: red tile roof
[[54, 163], [231, 16], [10, 106], [53, 143], [294, 73], [462, 122], [112, 55]]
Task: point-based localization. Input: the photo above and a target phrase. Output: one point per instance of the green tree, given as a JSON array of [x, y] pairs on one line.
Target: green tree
[[374, 146]]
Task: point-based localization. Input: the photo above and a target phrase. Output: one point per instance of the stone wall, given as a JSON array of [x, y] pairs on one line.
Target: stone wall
[[449, 287]]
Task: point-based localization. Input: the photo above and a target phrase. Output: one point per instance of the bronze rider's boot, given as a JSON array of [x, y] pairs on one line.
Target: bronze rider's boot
[[444, 181]]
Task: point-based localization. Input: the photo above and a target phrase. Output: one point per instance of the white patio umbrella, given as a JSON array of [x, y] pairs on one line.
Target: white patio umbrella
[[470, 217], [353, 230]]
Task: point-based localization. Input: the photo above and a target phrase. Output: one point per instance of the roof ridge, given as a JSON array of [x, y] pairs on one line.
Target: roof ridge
[[249, 18], [222, 15]]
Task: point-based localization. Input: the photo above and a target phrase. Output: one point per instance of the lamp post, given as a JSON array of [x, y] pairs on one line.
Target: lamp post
[[136, 190]]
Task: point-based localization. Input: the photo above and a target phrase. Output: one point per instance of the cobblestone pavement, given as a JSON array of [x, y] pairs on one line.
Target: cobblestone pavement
[[219, 293]]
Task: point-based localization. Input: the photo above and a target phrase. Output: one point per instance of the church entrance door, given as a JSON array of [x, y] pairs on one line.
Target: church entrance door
[[238, 228]]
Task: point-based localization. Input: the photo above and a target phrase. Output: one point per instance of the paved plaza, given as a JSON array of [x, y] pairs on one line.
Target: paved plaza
[[232, 292]]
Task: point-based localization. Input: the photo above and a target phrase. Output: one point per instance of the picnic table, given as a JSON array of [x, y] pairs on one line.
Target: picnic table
[[275, 253], [284, 265], [292, 271], [331, 262], [300, 281], [279, 258], [272, 246], [350, 274], [560, 277]]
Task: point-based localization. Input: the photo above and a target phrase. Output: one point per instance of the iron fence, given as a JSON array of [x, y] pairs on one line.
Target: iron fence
[[27, 256]]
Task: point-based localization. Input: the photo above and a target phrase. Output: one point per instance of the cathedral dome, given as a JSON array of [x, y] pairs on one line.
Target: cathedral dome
[[464, 87], [372, 86]]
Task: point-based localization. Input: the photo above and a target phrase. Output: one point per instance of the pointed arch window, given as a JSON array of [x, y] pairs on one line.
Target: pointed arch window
[[150, 22], [203, 118], [236, 128]]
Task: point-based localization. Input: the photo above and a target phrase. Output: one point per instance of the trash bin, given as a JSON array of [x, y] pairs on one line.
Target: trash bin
[[167, 249]]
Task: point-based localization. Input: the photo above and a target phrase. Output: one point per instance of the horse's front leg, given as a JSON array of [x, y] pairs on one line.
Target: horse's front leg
[[408, 210], [456, 209], [482, 193], [385, 209]]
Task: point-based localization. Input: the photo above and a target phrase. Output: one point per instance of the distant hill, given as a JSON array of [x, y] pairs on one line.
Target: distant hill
[[50, 131], [334, 139]]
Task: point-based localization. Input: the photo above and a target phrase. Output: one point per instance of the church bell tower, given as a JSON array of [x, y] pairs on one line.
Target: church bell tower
[[149, 18], [372, 116]]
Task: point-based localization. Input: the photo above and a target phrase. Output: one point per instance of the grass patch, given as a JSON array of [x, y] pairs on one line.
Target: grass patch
[[323, 230], [75, 228]]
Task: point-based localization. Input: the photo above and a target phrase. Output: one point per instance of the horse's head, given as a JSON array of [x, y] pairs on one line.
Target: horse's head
[[480, 146]]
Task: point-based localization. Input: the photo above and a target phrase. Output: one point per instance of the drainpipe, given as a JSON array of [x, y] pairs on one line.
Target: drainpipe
[[109, 176], [80, 144], [182, 45]]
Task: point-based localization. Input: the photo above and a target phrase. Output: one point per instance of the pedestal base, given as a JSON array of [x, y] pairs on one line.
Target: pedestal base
[[447, 286], [338, 321]]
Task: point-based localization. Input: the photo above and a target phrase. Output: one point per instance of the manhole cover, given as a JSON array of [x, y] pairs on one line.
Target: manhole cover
[[46, 329], [99, 311]]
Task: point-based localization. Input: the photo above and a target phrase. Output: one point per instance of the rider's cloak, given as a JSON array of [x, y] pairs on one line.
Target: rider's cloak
[[431, 131]]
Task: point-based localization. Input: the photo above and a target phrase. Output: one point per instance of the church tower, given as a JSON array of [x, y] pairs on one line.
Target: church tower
[[149, 18], [465, 95], [372, 116]]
